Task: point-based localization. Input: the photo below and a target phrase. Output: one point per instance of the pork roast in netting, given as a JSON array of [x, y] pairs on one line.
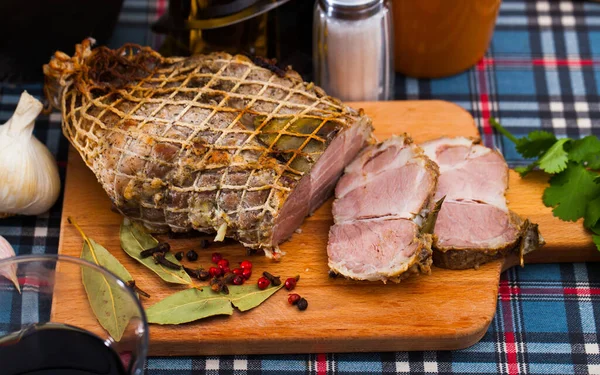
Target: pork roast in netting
[[214, 143], [474, 225]]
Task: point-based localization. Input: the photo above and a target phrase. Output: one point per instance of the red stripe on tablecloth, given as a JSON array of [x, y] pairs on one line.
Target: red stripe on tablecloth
[[483, 97], [321, 364], [511, 353], [582, 291], [541, 62], [506, 291]]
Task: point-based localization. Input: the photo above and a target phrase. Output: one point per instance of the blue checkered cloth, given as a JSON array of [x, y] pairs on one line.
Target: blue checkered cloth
[[542, 71]]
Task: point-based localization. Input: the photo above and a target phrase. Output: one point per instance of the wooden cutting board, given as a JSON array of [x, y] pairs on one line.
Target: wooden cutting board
[[446, 310]]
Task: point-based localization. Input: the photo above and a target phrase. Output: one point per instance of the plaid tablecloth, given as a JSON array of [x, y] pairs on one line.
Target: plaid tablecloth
[[541, 71]]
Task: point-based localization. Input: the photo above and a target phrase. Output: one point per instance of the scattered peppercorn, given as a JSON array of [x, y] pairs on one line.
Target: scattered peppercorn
[[203, 275], [228, 278], [216, 257], [237, 271], [192, 256], [290, 283], [204, 243], [238, 280], [217, 284], [246, 265], [302, 304], [223, 263], [214, 271], [226, 270], [293, 298], [247, 273], [333, 274], [179, 255], [161, 248], [275, 280], [263, 283]]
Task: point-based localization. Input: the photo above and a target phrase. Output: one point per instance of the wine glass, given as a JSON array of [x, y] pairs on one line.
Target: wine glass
[[66, 315]]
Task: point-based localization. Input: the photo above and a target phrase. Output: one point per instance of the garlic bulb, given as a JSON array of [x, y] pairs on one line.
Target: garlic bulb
[[29, 180], [10, 272]]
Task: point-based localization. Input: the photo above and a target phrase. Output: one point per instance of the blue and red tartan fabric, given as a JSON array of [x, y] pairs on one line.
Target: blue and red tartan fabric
[[542, 71]]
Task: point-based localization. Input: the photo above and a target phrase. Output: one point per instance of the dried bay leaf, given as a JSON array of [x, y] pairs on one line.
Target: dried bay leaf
[[109, 301], [246, 297], [134, 240], [189, 305], [193, 304]]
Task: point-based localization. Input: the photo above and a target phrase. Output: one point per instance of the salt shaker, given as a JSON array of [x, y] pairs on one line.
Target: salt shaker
[[353, 49]]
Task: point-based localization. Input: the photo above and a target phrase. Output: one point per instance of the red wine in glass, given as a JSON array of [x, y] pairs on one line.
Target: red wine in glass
[[57, 349]]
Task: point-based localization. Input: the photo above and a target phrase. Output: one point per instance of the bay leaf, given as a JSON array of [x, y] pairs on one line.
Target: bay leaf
[[189, 305], [246, 297], [109, 301], [193, 304], [134, 240]]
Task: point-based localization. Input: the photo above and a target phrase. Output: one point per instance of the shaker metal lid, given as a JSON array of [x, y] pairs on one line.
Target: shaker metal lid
[[352, 3]]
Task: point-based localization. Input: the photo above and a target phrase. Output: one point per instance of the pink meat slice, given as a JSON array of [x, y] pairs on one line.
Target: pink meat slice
[[388, 244], [467, 225], [474, 216], [381, 202]]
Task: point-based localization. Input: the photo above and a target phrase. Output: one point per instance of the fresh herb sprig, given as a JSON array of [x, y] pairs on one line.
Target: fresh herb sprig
[[574, 190]]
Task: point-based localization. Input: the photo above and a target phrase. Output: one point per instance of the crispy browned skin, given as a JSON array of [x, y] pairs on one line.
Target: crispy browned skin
[[194, 143]]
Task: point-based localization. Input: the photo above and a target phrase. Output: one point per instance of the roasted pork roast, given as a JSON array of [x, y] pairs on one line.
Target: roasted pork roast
[[383, 203], [474, 225], [215, 143]]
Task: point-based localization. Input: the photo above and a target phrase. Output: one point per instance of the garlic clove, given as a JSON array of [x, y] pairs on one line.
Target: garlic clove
[[10, 271], [28, 171]]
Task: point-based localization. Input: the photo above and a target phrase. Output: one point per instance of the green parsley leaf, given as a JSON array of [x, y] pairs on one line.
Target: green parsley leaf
[[556, 158], [592, 214], [596, 241], [587, 151], [535, 144], [570, 191]]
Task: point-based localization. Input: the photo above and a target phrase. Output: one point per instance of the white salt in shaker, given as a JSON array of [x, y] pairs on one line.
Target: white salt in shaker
[[353, 49]]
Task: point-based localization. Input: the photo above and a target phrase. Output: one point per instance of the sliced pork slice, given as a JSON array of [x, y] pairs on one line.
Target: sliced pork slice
[[474, 225], [382, 203]]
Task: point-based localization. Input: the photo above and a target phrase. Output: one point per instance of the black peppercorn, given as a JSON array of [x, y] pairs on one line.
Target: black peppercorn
[[302, 304], [192, 256], [179, 255], [203, 275]]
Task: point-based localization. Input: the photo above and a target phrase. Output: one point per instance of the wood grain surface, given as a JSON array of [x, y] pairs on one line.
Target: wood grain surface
[[446, 310]]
